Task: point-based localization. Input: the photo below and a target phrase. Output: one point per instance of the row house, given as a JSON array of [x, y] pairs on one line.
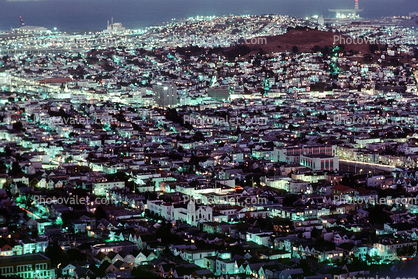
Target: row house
[[189, 213], [293, 154], [131, 259], [388, 249], [296, 213]]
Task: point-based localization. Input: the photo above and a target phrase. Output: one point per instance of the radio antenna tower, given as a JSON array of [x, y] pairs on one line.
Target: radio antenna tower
[[356, 7], [21, 21]]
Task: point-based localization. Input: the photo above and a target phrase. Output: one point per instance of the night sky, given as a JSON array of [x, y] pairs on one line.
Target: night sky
[[93, 14]]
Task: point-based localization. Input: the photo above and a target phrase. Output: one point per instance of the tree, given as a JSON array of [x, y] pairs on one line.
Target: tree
[[75, 255], [377, 215], [315, 233], [150, 195], [3, 168], [18, 126], [349, 181], [28, 202], [34, 232], [55, 253], [316, 49], [164, 232], [405, 251], [373, 48], [324, 245], [100, 213], [101, 270], [8, 151], [290, 200], [307, 269], [140, 272], [198, 136], [194, 183], [367, 57], [90, 156], [16, 169]]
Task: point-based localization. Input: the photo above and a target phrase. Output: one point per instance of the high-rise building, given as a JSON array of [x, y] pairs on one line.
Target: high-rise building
[[165, 94], [5, 78], [219, 93]]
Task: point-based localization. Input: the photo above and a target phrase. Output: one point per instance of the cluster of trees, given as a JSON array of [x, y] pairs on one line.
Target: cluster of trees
[[172, 115], [377, 215], [405, 251], [58, 255], [142, 272]]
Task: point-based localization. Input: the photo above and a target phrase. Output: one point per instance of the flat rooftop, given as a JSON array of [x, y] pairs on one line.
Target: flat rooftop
[[319, 156], [23, 259]]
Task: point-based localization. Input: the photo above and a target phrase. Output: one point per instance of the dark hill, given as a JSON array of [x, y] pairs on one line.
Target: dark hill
[[305, 39]]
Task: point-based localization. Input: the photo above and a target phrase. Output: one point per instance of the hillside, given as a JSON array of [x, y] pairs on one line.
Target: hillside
[[304, 39]]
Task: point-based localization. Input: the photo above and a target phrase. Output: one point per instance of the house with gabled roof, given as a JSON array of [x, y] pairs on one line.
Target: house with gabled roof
[[69, 270], [226, 266], [127, 257], [6, 250], [145, 256], [114, 257], [101, 257], [165, 270], [122, 266], [193, 255], [112, 268], [287, 274], [253, 269], [339, 189]]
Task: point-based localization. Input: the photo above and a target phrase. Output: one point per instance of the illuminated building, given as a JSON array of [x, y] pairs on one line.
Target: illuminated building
[[347, 13], [219, 93], [165, 94], [27, 266]]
